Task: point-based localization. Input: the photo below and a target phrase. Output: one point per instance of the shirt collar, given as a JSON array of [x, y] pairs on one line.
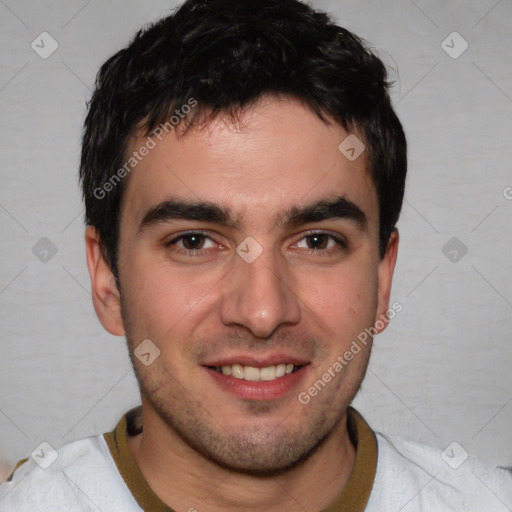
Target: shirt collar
[[354, 497]]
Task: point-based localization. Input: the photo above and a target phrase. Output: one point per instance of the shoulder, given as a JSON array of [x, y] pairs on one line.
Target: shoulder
[[416, 477], [80, 476]]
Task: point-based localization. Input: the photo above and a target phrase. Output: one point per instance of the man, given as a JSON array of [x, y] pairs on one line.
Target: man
[[243, 171]]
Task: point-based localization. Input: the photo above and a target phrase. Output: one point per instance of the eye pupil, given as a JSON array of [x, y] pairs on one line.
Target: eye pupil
[[317, 241], [193, 241]]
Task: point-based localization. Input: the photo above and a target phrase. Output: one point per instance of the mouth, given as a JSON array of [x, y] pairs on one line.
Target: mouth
[[255, 374], [250, 379]]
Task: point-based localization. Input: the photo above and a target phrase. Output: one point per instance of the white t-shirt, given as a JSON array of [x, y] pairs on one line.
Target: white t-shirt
[[409, 478]]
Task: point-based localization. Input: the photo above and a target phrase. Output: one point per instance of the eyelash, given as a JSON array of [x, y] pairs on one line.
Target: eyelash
[[341, 244], [189, 252]]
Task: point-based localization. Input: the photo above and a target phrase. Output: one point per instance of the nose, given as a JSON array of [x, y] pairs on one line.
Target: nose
[[259, 296]]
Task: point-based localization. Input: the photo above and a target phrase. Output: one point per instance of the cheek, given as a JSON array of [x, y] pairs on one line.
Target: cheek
[[160, 299], [345, 300]]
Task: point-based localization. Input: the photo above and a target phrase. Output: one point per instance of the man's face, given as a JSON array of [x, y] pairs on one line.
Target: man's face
[[276, 184]]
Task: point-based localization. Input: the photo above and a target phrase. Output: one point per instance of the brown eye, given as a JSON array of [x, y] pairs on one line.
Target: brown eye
[[193, 242], [318, 241], [321, 242]]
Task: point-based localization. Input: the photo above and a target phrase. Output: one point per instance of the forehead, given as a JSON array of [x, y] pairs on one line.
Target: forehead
[[280, 155]]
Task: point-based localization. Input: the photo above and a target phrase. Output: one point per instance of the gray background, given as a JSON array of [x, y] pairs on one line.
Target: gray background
[[440, 373]]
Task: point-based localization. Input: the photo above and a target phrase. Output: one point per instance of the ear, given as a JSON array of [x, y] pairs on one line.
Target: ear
[[385, 276], [105, 295]]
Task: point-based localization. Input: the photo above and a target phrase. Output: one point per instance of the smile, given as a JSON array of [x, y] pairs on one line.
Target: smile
[[253, 374]]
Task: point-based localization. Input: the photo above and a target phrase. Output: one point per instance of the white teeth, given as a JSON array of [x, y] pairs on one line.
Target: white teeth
[[226, 370], [280, 370], [237, 371], [256, 374], [251, 373], [268, 373]]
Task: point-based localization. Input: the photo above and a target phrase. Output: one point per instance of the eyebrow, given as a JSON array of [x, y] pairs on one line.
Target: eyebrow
[[204, 211], [326, 209], [188, 210]]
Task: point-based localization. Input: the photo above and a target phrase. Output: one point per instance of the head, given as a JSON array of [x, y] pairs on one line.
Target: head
[[227, 223]]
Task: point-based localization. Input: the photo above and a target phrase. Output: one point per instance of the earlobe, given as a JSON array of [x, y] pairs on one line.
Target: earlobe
[[385, 276], [105, 294]]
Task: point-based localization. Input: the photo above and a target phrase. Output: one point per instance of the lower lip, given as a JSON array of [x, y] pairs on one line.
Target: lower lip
[[260, 390]]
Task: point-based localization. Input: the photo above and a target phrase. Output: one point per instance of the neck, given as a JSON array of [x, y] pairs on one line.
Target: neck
[[198, 483]]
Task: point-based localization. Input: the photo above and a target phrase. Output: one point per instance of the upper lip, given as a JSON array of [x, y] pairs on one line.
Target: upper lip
[[257, 361]]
